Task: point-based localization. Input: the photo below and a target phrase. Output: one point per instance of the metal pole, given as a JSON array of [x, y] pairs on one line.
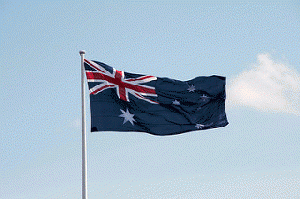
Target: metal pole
[[84, 153]]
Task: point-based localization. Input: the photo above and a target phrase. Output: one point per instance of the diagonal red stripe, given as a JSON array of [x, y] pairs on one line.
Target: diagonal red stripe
[[139, 78], [101, 89], [93, 66]]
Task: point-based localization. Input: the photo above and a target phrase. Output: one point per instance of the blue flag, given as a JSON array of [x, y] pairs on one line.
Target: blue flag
[[122, 101]]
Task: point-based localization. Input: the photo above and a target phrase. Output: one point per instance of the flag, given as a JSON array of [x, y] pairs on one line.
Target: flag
[[122, 101]]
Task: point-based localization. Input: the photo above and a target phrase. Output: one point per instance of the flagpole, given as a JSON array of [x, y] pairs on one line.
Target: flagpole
[[84, 153]]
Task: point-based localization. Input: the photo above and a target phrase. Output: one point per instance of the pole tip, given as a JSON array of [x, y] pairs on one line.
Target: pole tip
[[82, 52]]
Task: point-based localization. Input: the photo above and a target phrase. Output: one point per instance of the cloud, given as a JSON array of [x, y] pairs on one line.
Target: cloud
[[268, 86]]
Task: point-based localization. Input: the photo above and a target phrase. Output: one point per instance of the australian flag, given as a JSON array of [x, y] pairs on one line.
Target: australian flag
[[122, 101]]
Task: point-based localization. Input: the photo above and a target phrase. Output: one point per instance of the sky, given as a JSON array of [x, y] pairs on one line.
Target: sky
[[255, 45]]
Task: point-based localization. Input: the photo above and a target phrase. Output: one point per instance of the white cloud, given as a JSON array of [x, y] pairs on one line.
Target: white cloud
[[268, 86]]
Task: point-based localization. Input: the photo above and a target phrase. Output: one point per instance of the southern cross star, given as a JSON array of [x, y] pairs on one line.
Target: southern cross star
[[205, 98], [199, 126], [191, 88], [127, 117], [176, 102]]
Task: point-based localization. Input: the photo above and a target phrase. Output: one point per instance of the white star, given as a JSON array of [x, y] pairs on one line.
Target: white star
[[191, 88], [176, 102], [205, 97], [127, 117], [199, 126]]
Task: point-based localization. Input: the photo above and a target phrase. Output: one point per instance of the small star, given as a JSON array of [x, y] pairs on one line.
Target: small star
[[204, 97], [127, 117], [176, 102], [199, 126], [191, 88]]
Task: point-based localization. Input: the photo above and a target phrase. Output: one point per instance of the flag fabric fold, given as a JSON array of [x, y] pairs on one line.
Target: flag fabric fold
[[121, 101]]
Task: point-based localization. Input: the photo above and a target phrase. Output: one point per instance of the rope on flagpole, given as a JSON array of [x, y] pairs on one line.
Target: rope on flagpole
[[84, 151]]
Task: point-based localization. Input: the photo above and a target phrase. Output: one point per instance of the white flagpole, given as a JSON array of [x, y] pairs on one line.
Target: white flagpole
[[84, 153]]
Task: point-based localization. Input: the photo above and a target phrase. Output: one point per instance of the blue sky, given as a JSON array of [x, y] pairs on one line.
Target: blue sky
[[255, 45]]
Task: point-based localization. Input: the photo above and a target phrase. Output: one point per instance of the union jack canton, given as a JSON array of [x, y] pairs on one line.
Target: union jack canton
[[117, 80]]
